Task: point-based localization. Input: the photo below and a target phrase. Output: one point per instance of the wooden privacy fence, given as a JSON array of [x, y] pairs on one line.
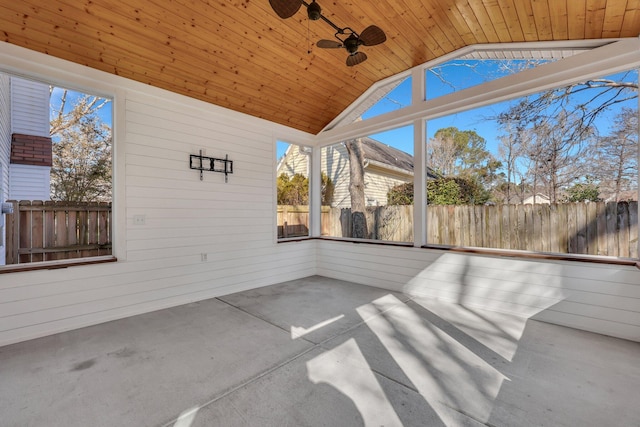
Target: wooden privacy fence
[[293, 221], [385, 222], [600, 228], [609, 229], [45, 231], [391, 223]]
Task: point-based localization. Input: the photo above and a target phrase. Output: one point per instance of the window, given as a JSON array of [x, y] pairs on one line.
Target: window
[[55, 149], [483, 66], [292, 182], [369, 198], [556, 171], [506, 167], [391, 97]]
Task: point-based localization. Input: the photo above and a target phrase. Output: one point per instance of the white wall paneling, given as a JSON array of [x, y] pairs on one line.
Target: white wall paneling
[[596, 297]]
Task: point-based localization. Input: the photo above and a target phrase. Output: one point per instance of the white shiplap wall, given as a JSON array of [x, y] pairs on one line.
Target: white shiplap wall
[[594, 297], [159, 263], [30, 107]]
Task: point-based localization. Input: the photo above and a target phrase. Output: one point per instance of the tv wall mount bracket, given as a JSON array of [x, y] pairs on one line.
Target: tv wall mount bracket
[[211, 164]]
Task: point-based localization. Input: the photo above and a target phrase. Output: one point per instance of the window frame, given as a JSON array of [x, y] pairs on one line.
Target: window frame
[[37, 72], [606, 57], [311, 179]]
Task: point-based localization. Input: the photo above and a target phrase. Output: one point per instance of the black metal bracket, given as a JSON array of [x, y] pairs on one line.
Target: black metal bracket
[[211, 164]]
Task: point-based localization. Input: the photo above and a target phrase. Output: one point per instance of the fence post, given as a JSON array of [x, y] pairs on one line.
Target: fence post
[[13, 234]]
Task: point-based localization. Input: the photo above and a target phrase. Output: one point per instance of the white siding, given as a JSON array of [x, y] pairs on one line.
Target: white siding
[[29, 182], [5, 151], [594, 297], [378, 182], [159, 263], [5, 133], [29, 107], [294, 161], [334, 161]]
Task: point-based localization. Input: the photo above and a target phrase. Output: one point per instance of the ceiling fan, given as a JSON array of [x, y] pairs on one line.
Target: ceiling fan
[[347, 38]]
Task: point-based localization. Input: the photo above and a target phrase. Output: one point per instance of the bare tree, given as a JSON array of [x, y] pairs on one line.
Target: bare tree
[[616, 155], [63, 118], [356, 188], [586, 101], [556, 153], [508, 152], [81, 170], [442, 152]]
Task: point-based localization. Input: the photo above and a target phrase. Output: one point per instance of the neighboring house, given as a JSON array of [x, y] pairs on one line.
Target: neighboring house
[[25, 143], [384, 168], [537, 199]]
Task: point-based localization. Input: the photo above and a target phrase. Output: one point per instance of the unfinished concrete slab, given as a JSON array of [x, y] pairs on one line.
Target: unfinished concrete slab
[[139, 371], [321, 352], [308, 307]]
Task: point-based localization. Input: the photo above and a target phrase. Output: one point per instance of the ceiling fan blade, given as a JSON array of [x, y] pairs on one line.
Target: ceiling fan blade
[[356, 59], [372, 36], [285, 8], [328, 44]]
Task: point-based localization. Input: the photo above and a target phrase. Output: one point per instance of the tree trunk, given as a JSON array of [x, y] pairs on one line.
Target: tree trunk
[[356, 188]]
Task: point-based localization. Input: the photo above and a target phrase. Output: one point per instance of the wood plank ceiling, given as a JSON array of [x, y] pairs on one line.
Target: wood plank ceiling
[[238, 54]]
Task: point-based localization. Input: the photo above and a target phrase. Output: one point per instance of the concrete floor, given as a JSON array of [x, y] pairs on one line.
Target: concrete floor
[[321, 352]]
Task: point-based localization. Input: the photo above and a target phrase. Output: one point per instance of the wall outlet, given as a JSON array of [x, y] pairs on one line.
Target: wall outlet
[[139, 219], [203, 257]]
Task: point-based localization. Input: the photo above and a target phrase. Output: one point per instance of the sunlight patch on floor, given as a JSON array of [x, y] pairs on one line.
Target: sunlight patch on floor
[[346, 369], [187, 417], [298, 331], [444, 371]]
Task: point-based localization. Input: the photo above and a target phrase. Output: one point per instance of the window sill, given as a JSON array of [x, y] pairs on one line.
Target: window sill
[[538, 255], [347, 239], [294, 239], [55, 265]]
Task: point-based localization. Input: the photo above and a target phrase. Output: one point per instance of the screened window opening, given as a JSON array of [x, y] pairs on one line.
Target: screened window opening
[[553, 172], [56, 172], [371, 178], [292, 182]]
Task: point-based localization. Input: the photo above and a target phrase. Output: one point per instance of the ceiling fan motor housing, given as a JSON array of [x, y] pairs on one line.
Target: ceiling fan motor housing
[[351, 44], [314, 11]]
